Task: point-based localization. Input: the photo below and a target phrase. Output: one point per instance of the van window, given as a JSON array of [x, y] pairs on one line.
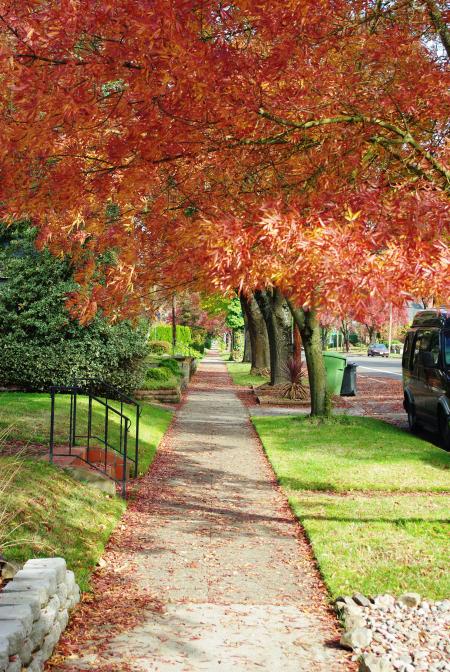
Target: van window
[[419, 335], [446, 336], [434, 347], [426, 341], [407, 350]]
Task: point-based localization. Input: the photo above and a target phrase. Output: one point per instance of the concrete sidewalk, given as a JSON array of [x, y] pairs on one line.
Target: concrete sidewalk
[[220, 548]]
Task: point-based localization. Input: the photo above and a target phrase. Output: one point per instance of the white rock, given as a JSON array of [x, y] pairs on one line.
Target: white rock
[[4, 654], [37, 664], [74, 598], [14, 632], [384, 601], [19, 612], [51, 641], [25, 652], [63, 619], [361, 600], [62, 592], [49, 614], [58, 565], [48, 575], [410, 599], [9, 599], [348, 610], [39, 587], [371, 663], [357, 638], [353, 622], [38, 633], [70, 581], [14, 665]]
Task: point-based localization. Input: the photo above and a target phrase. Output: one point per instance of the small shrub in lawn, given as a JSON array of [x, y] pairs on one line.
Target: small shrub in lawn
[[159, 347]]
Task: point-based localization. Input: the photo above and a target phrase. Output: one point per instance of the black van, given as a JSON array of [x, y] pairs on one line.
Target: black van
[[426, 372]]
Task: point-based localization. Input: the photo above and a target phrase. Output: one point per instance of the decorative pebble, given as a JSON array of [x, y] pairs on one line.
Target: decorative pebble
[[406, 635]]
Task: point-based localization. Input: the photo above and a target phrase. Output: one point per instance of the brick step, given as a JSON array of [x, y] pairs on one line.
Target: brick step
[[114, 467]]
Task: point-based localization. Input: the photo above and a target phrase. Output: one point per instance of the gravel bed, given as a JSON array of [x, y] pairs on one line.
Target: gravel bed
[[406, 634]]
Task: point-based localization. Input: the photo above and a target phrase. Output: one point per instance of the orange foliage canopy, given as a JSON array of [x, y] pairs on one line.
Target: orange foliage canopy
[[172, 143]]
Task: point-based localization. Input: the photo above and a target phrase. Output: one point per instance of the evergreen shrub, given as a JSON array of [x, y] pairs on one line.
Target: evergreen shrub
[[41, 344]]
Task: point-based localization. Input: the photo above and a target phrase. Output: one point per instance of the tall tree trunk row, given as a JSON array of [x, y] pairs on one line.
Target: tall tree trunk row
[[276, 314]]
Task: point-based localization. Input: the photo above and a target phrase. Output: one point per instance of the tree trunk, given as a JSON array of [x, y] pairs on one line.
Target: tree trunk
[[370, 332], [324, 331], [310, 331], [277, 317], [345, 331], [297, 355], [258, 334], [232, 340], [247, 357]]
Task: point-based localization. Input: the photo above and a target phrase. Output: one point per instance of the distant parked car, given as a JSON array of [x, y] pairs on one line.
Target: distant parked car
[[426, 373], [377, 350]]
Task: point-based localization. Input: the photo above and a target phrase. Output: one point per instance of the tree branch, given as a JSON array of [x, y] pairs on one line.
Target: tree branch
[[362, 119], [439, 23]]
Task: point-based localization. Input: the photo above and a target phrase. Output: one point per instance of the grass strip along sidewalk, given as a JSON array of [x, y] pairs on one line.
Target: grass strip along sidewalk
[[373, 499], [241, 376], [43, 510]]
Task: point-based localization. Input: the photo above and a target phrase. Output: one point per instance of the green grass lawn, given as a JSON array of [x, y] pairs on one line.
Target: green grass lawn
[[27, 414], [374, 501], [240, 374], [44, 512]]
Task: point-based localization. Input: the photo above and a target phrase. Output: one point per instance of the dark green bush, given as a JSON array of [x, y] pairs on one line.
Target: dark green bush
[[198, 347], [158, 373], [40, 343], [172, 365]]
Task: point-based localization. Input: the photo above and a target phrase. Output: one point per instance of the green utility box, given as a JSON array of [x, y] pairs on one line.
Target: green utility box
[[334, 366]]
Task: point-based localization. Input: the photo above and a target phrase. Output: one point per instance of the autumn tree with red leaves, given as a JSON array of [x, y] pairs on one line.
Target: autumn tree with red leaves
[[298, 150]]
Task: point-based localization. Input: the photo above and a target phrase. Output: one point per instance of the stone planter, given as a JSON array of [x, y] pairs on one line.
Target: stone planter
[[185, 364], [168, 396]]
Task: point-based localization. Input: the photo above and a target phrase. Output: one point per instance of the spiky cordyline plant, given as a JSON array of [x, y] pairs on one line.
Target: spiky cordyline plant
[[295, 388]]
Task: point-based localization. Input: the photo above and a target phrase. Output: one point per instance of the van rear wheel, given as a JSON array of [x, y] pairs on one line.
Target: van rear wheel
[[444, 429], [412, 418]]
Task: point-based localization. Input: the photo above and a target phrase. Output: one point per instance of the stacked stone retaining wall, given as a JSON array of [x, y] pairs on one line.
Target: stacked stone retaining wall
[[34, 611]]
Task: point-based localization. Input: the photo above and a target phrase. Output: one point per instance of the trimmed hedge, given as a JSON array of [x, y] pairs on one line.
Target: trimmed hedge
[[163, 332], [116, 357]]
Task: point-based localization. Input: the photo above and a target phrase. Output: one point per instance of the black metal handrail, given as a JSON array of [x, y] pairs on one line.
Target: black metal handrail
[[86, 388], [89, 385]]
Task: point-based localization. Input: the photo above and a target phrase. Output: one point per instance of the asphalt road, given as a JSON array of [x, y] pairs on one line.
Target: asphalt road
[[378, 366]]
